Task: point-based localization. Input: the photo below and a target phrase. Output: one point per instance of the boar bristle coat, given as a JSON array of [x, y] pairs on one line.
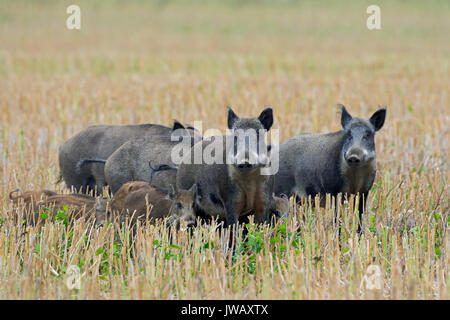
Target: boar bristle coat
[[338, 162], [99, 142], [229, 191], [37, 202], [29, 196], [137, 200]]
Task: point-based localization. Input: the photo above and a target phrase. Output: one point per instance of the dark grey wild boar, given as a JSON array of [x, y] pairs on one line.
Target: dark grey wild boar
[[136, 199], [338, 162], [231, 189], [99, 142], [131, 161]]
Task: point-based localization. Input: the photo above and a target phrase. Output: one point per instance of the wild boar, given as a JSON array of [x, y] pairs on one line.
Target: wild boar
[[99, 142], [232, 185], [30, 196], [281, 207], [138, 200], [338, 162], [131, 161]]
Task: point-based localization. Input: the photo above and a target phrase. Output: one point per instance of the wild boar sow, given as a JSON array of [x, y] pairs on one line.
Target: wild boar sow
[[338, 162], [232, 185]]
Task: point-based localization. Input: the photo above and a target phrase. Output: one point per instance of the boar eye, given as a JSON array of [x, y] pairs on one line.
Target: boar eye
[[179, 205]]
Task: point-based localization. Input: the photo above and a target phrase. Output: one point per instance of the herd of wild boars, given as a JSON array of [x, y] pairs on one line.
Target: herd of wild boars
[[146, 183]]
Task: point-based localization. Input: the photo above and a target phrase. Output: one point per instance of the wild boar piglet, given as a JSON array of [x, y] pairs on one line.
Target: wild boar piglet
[[137, 200]]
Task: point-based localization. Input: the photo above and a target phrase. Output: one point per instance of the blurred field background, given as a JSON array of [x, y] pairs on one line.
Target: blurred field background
[[155, 61]]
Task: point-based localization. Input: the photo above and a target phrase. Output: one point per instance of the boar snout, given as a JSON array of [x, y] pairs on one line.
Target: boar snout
[[190, 221], [355, 157], [181, 223], [250, 163]]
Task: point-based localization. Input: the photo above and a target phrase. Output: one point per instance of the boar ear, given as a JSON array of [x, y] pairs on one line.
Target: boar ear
[[194, 189], [129, 188], [177, 125], [171, 193], [345, 117], [12, 192], [232, 117], [189, 127], [377, 119], [266, 118]]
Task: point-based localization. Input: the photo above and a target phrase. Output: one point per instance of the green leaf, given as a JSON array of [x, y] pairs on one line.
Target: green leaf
[[282, 229], [437, 251], [99, 251], [274, 240], [208, 245]]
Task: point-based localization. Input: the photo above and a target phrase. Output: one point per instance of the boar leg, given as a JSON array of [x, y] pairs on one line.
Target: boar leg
[[233, 207], [361, 208], [261, 206]]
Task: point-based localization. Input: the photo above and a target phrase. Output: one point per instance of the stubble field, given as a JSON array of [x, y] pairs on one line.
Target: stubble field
[[152, 62]]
